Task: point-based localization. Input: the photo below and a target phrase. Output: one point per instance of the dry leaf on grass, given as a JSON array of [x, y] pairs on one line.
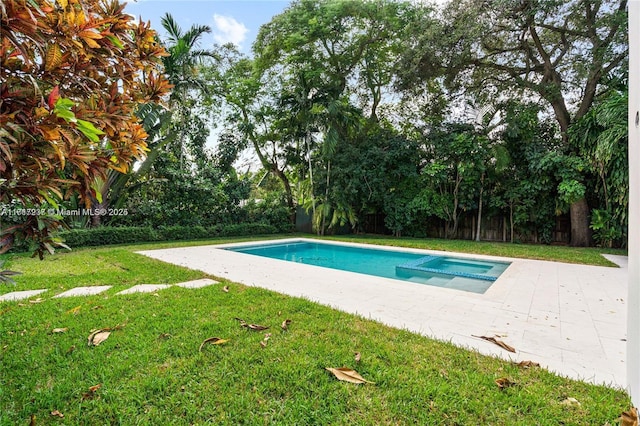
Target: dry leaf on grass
[[38, 300], [254, 327], [500, 343], [92, 392], [629, 418], [348, 375], [267, 336], [357, 356], [98, 336], [32, 422], [225, 289], [57, 413], [75, 310], [60, 330], [504, 382], [527, 364], [285, 324], [213, 341], [165, 336]]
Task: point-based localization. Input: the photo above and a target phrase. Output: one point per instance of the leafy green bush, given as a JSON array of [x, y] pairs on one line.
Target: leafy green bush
[[131, 234], [247, 229], [171, 233], [107, 235]]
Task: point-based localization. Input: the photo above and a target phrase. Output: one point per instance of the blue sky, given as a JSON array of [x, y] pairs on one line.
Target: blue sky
[[235, 21]]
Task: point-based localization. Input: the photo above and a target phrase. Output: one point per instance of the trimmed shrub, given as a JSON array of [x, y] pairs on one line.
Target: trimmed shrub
[[131, 234], [247, 229], [107, 235]]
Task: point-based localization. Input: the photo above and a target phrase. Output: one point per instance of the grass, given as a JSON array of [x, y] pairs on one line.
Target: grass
[[580, 255], [151, 371]]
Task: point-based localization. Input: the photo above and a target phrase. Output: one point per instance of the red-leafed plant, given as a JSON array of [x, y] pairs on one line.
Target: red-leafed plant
[[72, 74]]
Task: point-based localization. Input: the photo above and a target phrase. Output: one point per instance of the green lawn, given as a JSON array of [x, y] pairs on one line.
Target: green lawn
[[151, 370]]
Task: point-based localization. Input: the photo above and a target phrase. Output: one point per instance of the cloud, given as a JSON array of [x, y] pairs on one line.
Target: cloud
[[228, 30]]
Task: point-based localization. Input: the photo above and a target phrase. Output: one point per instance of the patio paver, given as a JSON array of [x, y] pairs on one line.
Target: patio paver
[[84, 291], [144, 288], [204, 282], [20, 295]]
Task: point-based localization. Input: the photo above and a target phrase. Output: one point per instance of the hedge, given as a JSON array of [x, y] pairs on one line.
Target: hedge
[[131, 234]]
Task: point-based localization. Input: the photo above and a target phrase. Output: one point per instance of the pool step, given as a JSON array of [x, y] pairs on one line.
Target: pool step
[[421, 266]]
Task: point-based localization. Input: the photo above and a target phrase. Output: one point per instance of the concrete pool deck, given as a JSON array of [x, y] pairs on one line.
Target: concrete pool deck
[[569, 318]]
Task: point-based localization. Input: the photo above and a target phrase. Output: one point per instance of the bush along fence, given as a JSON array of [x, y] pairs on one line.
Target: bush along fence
[[102, 236]]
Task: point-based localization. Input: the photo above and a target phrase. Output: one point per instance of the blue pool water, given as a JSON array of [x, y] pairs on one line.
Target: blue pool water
[[442, 271]]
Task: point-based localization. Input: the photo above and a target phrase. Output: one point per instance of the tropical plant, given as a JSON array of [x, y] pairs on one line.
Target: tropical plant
[[562, 53], [72, 75]]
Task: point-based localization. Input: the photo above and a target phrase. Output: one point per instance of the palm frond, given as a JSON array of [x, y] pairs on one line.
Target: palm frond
[[172, 27]]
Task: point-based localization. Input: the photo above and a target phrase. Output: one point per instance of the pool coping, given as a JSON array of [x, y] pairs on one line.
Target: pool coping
[[569, 318]]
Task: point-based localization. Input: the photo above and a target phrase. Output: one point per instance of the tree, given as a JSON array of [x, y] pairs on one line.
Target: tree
[[601, 136], [564, 53], [73, 74], [181, 125], [334, 61]]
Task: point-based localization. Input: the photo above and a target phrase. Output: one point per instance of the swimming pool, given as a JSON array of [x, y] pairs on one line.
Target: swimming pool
[[466, 274]]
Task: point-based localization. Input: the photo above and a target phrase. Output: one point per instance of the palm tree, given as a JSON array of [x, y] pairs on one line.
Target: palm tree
[[182, 67]]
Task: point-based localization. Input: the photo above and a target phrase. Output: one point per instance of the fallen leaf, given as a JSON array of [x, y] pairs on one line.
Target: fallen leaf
[[357, 356], [256, 327], [92, 392], [71, 349], [570, 401], [213, 341], [348, 375], [57, 413], [34, 301], [285, 324], [225, 289], [75, 310], [500, 343], [155, 295], [98, 336], [33, 420], [267, 336], [263, 344], [60, 330], [165, 336], [629, 418], [504, 382], [527, 364]]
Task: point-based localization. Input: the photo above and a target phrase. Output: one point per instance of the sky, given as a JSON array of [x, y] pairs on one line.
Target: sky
[[235, 21]]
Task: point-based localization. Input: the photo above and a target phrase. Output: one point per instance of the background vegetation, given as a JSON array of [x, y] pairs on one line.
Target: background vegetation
[[498, 121]]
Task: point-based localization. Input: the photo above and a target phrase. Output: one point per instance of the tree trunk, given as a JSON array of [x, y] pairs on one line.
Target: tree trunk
[[511, 220], [288, 193], [326, 197], [579, 212], [480, 208], [504, 229]]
